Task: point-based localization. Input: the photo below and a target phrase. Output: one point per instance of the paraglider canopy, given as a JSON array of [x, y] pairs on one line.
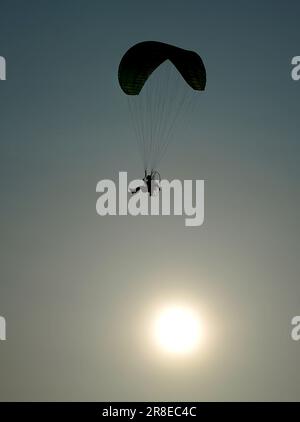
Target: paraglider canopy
[[142, 59], [161, 83]]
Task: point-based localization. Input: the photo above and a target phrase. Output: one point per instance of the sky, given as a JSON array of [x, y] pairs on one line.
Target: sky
[[77, 290]]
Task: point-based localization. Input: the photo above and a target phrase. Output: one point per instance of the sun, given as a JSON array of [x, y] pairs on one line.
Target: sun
[[178, 330]]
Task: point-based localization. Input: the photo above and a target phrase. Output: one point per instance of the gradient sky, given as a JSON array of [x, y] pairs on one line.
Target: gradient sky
[[76, 289]]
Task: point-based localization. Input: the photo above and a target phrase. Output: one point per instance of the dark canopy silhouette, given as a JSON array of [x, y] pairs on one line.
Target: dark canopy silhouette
[[142, 59], [161, 83]]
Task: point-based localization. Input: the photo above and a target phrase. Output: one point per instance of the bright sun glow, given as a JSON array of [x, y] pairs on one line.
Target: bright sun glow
[[178, 330]]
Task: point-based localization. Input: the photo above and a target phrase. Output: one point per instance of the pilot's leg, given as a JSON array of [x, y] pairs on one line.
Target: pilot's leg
[[135, 190]]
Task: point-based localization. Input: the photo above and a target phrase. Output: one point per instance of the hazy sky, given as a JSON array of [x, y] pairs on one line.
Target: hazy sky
[[78, 290]]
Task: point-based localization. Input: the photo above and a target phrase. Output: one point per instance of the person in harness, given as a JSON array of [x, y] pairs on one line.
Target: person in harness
[[151, 181]]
